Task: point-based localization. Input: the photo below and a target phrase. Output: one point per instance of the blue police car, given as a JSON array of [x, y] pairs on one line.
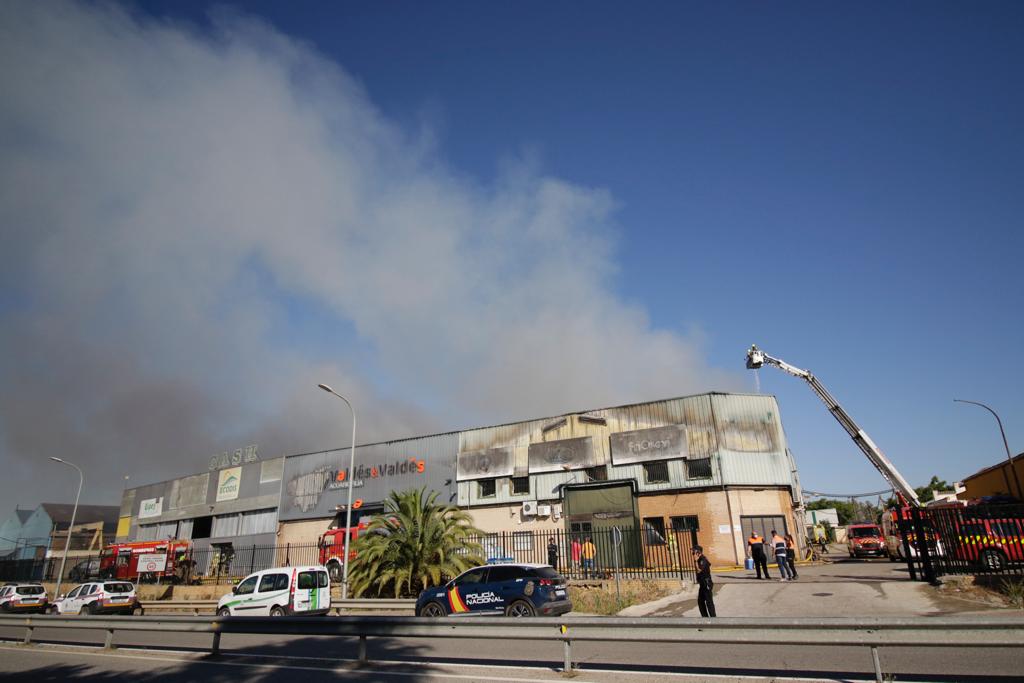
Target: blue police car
[[515, 590]]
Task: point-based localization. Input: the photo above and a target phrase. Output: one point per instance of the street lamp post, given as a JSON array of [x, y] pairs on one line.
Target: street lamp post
[[1009, 458], [74, 511], [351, 483]]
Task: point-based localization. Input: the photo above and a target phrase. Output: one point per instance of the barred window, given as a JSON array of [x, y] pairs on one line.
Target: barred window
[[698, 469], [599, 473], [487, 488], [520, 486], [656, 472]]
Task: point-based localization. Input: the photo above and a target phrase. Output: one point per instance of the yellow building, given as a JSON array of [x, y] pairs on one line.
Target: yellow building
[[997, 480]]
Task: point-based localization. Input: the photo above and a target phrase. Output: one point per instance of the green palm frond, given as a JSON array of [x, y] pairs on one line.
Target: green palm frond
[[413, 545]]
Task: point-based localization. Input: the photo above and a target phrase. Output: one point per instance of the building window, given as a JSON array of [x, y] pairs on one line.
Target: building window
[[698, 469], [522, 540], [654, 530], [520, 486], [685, 523], [599, 473], [487, 488], [656, 472]]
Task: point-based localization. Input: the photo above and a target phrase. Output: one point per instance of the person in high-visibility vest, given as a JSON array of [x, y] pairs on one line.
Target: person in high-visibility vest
[[756, 547]]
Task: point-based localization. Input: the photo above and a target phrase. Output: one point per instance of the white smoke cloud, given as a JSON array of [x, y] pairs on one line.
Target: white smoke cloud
[[200, 226]]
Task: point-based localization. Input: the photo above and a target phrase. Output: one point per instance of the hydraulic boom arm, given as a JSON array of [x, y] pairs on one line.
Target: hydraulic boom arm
[[756, 358]]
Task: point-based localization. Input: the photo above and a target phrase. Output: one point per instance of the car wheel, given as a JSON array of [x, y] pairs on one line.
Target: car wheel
[[432, 609], [86, 610], [277, 612], [137, 611], [520, 608], [993, 560], [334, 571], [223, 612]]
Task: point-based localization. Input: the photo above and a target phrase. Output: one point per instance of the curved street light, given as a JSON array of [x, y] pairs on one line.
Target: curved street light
[[1009, 458], [74, 511], [351, 482]]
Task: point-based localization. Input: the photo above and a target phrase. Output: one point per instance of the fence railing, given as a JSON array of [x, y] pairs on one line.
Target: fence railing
[[874, 634], [976, 539], [628, 553]]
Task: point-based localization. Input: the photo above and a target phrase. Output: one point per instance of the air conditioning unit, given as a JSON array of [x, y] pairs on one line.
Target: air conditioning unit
[[543, 510], [529, 508], [556, 511]]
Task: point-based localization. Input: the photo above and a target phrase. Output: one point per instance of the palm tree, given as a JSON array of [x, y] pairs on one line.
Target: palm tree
[[414, 544]]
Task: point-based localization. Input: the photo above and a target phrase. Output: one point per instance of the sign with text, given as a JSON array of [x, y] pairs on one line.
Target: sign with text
[[561, 455], [151, 507], [153, 562], [240, 456], [229, 482], [645, 445], [485, 464]]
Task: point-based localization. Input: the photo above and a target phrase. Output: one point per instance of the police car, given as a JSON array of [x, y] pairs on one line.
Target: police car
[[23, 597], [515, 590]]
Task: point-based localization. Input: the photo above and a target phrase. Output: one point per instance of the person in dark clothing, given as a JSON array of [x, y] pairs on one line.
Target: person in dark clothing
[[552, 552], [705, 595], [791, 554], [756, 547]]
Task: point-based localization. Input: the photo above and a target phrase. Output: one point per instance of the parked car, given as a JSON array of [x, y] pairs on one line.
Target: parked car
[[23, 597], [865, 539], [85, 570], [277, 592], [515, 590], [99, 597]]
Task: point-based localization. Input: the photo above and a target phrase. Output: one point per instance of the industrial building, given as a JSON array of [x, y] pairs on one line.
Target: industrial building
[[713, 466]]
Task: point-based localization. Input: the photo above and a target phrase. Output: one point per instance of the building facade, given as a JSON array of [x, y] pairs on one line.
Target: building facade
[[712, 466]]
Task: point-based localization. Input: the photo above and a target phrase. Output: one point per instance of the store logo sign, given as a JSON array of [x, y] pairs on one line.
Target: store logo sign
[[228, 484]]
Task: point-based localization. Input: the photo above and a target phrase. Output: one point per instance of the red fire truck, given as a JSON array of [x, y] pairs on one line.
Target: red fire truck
[[147, 561], [332, 548]]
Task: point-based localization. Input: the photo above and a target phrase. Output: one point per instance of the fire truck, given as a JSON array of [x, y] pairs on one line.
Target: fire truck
[[147, 561], [332, 548]]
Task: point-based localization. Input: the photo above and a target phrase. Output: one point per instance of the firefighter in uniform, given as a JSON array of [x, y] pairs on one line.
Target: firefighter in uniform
[[756, 547], [705, 596]]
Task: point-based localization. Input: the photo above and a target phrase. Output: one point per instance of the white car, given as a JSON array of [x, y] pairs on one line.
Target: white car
[[99, 597], [277, 592], [23, 597]]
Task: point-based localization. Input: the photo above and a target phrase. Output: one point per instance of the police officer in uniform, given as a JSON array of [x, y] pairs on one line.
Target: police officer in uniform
[[705, 596]]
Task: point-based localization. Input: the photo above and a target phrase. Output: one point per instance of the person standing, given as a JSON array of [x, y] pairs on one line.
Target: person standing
[[588, 551], [575, 549], [779, 546], [705, 590], [791, 555], [553, 553], [756, 547]]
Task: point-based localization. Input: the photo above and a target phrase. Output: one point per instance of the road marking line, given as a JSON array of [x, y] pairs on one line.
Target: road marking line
[[191, 656]]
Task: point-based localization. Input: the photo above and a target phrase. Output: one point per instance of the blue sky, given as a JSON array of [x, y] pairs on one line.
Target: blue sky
[[838, 184]]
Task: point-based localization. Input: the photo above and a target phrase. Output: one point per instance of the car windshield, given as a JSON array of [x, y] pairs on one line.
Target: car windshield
[[29, 590], [864, 532], [117, 587]]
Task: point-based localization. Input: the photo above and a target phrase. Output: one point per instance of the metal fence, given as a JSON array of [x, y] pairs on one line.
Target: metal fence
[[976, 539], [600, 554], [871, 633]]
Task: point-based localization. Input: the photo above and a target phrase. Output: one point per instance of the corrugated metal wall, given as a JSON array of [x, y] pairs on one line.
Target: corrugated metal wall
[[741, 434]]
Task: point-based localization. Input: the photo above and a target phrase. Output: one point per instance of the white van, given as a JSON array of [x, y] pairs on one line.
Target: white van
[[301, 591]]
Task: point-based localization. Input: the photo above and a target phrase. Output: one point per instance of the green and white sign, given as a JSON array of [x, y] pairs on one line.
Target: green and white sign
[[229, 482]]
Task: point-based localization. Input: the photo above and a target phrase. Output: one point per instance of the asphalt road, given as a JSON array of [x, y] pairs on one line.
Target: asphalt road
[[255, 658], [831, 590]]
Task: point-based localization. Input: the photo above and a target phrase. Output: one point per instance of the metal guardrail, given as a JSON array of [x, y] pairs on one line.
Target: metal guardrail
[[197, 607], [870, 633]]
